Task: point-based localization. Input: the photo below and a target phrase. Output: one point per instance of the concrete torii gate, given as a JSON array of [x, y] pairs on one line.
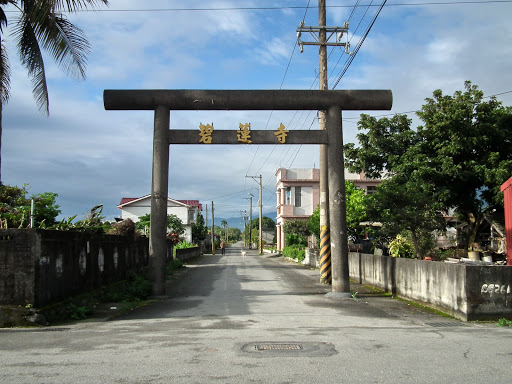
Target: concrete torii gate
[[333, 102]]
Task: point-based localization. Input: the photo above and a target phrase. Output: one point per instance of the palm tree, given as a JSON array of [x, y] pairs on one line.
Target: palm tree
[[41, 24], [224, 223]]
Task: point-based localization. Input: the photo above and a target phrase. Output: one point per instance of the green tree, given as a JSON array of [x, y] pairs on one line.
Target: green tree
[[457, 160], [407, 206], [355, 199], [266, 222], [199, 229], [314, 223], [174, 224], [224, 224], [14, 206], [234, 234], [356, 212], [45, 209], [296, 232], [42, 24], [467, 144]]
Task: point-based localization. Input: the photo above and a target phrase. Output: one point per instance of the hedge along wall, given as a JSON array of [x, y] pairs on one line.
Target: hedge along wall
[[41, 266], [464, 291]]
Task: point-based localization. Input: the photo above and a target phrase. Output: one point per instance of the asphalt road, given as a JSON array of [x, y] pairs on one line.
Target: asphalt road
[[260, 319]]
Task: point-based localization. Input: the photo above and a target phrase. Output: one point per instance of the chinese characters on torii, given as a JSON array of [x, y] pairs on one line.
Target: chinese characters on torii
[[281, 134], [243, 133], [205, 133]]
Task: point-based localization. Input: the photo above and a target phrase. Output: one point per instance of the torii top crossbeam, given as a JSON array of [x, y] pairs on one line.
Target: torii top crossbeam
[[191, 99]]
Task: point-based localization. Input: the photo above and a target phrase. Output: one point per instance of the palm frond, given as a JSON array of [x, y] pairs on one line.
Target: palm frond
[[65, 42], [32, 60], [73, 5], [68, 46], [3, 19], [5, 75]]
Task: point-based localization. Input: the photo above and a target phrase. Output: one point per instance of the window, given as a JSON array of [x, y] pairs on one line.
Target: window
[[288, 196], [298, 200], [371, 189]]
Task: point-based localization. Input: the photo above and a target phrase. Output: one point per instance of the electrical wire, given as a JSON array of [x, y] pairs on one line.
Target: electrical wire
[[281, 86], [356, 50], [425, 3]]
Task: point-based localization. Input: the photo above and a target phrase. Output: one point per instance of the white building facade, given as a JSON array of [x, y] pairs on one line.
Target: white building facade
[[185, 210]]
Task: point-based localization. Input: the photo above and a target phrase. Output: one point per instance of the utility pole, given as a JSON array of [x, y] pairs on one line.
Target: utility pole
[[213, 234], [322, 40], [260, 202], [245, 234], [250, 219], [261, 217], [244, 216]]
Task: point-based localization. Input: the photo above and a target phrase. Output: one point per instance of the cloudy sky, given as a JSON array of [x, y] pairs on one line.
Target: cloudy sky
[[90, 156]]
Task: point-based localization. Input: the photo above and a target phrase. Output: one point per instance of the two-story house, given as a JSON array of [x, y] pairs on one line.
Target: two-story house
[[298, 194], [185, 210]]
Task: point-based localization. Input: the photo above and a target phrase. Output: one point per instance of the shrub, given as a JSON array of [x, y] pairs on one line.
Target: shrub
[[296, 239], [401, 247], [135, 288], [294, 252], [181, 245], [504, 323]]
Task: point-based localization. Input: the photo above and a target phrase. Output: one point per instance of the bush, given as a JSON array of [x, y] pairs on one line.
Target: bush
[[181, 245], [401, 247], [294, 252], [135, 288], [296, 239]]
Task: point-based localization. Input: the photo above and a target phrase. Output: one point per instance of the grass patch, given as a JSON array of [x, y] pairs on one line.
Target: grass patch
[[426, 308], [504, 323], [127, 294], [174, 266]]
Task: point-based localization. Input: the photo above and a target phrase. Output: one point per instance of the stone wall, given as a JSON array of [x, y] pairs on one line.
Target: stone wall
[[40, 266], [464, 291]]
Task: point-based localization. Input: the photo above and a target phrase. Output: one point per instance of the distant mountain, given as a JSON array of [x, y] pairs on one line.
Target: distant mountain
[[238, 222]]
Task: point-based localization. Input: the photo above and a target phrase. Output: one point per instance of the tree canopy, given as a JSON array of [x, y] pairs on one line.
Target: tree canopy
[[15, 207], [267, 223], [199, 229], [174, 223], [456, 160]]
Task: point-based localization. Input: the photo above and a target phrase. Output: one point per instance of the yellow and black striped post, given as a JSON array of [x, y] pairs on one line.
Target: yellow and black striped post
[[325, 256]]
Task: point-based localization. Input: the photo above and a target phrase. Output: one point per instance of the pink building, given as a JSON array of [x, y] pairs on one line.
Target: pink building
[[298, 195]]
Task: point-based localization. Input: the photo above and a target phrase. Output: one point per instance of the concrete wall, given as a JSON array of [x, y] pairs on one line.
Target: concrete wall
[[38, 266], [188, 253], [463, 291]]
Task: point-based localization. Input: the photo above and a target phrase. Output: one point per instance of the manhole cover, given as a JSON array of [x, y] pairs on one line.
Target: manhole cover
[[280, 347], [290, 349], [445, 324]]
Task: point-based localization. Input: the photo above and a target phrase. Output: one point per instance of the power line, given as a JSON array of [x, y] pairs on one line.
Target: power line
[[425, 3], [353, 55], [280, 87]]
